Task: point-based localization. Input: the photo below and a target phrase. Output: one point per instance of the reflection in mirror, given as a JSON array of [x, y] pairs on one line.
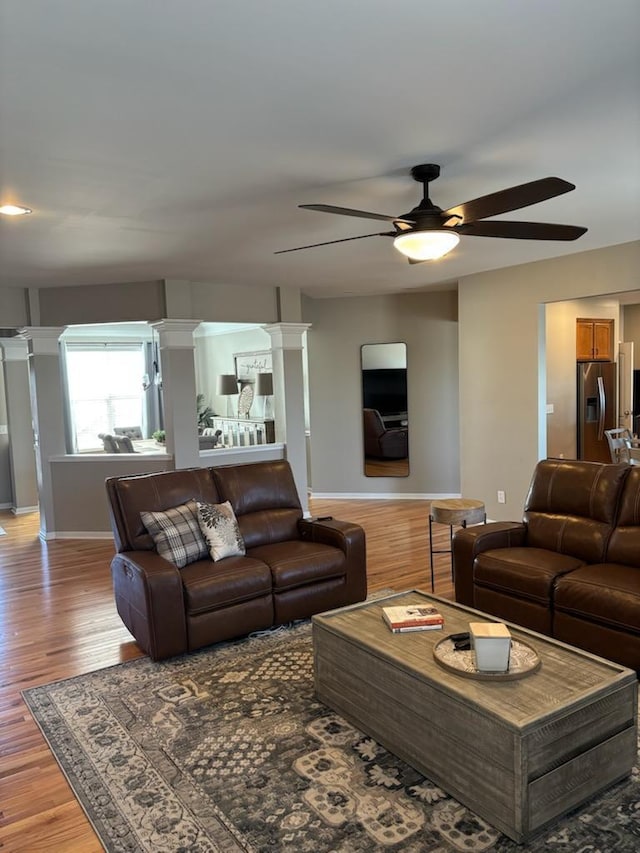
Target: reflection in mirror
[[385, 410]]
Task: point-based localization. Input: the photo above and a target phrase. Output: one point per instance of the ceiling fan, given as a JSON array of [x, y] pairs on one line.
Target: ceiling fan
[[427, 232]]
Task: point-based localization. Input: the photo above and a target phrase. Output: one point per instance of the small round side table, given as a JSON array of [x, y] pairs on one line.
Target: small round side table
[[454, 512]]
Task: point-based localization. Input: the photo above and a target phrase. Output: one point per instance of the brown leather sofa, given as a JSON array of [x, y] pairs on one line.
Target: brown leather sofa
[[571, 568], [292, 569], [380, 442]]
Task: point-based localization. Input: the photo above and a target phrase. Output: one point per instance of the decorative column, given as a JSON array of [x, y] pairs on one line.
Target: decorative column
[[47, 409], [14, 353], [177, 367], [288, 399]]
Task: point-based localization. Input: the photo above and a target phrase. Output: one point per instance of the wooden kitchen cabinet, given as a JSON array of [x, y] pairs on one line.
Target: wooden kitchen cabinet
[[594, 340]]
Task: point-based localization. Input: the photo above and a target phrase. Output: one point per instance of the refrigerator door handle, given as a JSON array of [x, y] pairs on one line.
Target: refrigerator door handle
[[601, 407]]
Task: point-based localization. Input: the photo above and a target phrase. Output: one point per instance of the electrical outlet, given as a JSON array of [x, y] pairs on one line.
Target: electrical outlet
[[502, 497]]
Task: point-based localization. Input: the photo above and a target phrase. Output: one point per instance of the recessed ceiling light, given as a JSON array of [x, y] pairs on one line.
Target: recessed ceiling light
[[14, 210]]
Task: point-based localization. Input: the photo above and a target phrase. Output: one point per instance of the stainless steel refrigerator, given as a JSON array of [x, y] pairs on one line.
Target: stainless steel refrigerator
[[597, 408]]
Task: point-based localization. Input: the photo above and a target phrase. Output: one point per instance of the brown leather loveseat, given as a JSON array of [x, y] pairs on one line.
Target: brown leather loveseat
[[571, 568], [292, 567]]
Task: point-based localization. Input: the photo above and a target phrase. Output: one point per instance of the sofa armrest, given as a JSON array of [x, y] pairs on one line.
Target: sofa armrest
[[150, 601], [468, 542], [350, 539]]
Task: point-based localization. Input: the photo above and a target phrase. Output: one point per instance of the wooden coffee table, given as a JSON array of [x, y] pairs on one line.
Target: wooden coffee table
[[518, 753]]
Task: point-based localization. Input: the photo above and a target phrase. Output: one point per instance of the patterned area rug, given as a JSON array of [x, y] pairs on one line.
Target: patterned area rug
[[228, 750]]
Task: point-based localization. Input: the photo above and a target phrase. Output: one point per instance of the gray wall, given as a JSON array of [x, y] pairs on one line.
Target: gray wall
[[152, 300], [427, 323], [6, 493], [234, 303], [79, 494], [560, 335], [631, 315], [101, 303], [14, 309], [502, 400]]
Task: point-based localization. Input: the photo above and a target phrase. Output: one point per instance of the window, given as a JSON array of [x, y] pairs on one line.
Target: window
[[105, 390]]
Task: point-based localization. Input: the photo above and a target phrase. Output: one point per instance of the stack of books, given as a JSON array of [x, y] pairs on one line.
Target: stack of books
[[414, 617]]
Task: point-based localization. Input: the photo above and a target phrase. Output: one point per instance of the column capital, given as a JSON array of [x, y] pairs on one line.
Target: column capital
[[44, 340], [176, 334], [14, 349], [287, 335]]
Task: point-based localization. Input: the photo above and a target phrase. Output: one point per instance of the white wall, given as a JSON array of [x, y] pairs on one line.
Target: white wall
[[427, 323], [501, 407]]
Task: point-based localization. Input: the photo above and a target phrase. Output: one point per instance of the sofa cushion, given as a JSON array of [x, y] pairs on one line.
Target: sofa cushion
[[220, 529], [264, 498], [129, 496], [608, 593], [176, 534], [525, 572], [571, 507], [297, 562], [231, 581]]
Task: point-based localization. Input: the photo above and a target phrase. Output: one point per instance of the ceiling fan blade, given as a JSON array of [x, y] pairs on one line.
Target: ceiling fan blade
[[329, 242], [414, 261], [349, 211], [522, 230], [510, 199]]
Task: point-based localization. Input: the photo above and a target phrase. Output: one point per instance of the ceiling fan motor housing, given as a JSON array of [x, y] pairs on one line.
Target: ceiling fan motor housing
[[425, 172], [426, 215]]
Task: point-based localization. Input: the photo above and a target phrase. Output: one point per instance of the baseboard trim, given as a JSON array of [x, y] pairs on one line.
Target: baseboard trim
[[79, 534], [19, 510], [384, 496], [24, 510]]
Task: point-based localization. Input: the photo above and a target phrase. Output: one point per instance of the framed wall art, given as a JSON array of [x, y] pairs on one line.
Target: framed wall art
[[248, 365]]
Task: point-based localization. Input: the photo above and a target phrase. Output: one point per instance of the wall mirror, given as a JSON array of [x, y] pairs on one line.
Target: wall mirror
[[385, 420]]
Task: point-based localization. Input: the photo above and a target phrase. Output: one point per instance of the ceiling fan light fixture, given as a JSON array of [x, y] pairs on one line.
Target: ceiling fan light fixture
[[14, 210], [426, 245]]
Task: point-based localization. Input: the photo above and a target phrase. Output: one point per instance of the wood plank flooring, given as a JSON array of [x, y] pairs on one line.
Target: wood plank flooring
[[58, 619]]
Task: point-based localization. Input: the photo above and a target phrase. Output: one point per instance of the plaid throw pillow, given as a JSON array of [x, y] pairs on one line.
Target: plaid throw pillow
[[176, 534], [219, 525]]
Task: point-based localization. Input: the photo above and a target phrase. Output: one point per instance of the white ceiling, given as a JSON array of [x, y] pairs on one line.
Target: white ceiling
[[176, 139]]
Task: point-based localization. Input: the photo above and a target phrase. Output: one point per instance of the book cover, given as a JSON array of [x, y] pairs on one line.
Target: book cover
[[414, 616]]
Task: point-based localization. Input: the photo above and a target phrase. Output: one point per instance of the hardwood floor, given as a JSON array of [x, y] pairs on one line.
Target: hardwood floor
[[386, 467], [58, 619]]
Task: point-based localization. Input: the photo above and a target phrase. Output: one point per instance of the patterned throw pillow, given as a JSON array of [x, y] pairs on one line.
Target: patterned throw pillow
[[176, 534], [219, 526]]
